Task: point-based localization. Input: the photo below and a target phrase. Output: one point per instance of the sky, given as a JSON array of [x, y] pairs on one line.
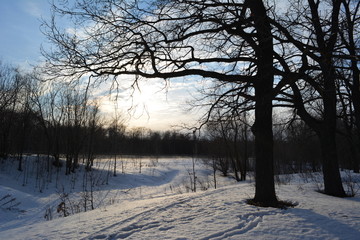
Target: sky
[[20, 44], [21, 37]]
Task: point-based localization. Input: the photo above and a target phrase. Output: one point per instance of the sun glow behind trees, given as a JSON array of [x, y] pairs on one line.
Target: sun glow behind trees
[[154, 104], [152, 108]]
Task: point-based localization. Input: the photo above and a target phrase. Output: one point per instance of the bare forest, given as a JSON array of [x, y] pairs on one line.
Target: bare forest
[[281, 88]]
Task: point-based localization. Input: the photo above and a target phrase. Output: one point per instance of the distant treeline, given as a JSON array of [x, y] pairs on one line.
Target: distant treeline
[[296, 147], [61, 121], [24, 133]]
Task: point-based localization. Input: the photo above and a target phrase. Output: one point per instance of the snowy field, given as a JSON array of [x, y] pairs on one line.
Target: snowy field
[[152, 198]]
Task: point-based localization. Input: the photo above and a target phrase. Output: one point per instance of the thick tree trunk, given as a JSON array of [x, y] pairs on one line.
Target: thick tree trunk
[[327, 134], [354, 156], [326, 131], [355, 90], [355, 86], [332, 180], [264, 168]]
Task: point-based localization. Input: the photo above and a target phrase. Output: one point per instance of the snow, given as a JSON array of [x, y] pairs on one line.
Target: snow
[[158, 204]]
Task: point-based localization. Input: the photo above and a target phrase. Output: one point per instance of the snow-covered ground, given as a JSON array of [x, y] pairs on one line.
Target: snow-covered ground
[[158, 204]]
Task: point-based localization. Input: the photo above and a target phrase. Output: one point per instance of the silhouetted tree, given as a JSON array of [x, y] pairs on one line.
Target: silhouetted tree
[[10, 86], [226, 41], [309, 37]]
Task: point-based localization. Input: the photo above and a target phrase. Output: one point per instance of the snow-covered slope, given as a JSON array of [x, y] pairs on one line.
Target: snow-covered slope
[[154, 205]]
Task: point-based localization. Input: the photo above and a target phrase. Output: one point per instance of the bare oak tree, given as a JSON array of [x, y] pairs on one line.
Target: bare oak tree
[[309, 38], [230, 41]]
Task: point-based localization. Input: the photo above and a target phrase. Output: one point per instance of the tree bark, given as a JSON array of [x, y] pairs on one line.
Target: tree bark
[[262, 129], [332, 180], [327, 129]]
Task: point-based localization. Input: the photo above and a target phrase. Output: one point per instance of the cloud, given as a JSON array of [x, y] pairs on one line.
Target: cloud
[[156, 106], [33, 8]]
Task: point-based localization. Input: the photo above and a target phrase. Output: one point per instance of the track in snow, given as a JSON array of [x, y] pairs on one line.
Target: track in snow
[[184, 212]]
